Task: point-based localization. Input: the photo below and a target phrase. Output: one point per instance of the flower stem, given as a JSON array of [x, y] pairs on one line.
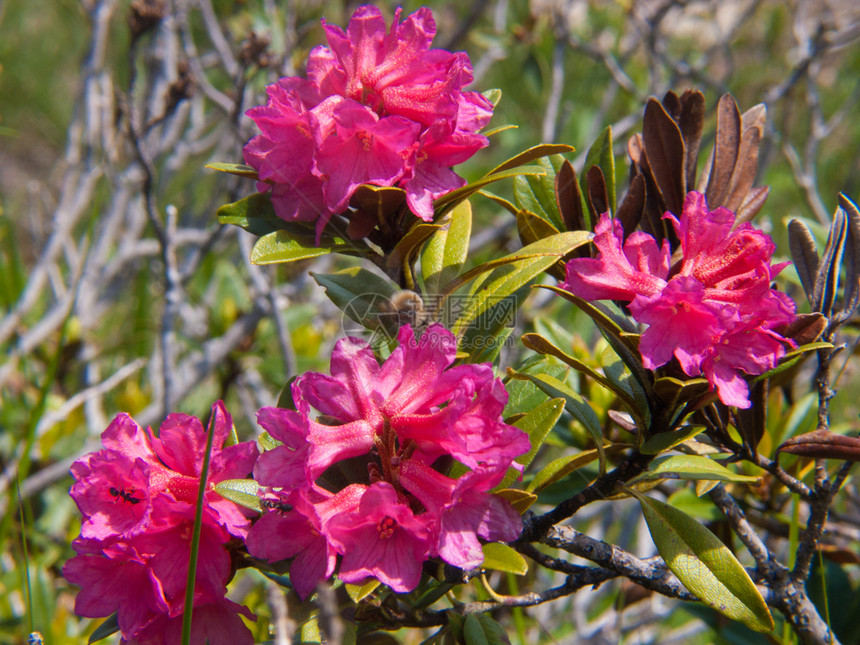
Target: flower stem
[[195, 536]]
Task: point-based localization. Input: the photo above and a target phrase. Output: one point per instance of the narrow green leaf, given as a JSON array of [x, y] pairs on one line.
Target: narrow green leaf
[[522, 267], [575, 405], [533, 228], [533, 153], [447, 249], [408, 247], [473, 631], [234, 169], [501, 557], [501, 201], [667, 440], [554, 247], [108, 627], [357, 593], [619, 334], [600, 155], [521, 500], [463, 192], [539, 344], [282, 246], [792, 357], [494, 131], [560, 468], [364, 296], [240, 491], [536, 194], [493, 95], [675, 392], [268, 442], [537, 424], [704, 565], [254, 213], [492, 633], [690, 467]]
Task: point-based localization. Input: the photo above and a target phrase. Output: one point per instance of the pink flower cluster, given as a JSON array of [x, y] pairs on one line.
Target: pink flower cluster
[[376, 108], [138, 497], [714, 310], [367, 479]]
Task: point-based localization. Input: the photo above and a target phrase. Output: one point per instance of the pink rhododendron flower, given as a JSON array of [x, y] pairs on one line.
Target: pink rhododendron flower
[[382, 99], [714, 311], [138, 497], [367, 480]]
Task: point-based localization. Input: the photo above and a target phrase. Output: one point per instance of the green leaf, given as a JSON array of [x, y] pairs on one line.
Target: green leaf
[[447, 249], [407, 248], [792, 357], [521, 500], [557, 246], [536, 194], [501, 201], [357, 593], [240, 491], [533, 228], [268, 442], [560, 468], [575, 405], [537, 424], [254, 213], [364, 296], [501, 557], [600, 155], [493, 95], [379, 201], [522, 266], [282, 246], [618, 333], [481, 629], [108, 626], [675, 392], [690, 467], [539, 344], [234, 169], [667, 440], [533, 153], [704, 565], [459, 194]]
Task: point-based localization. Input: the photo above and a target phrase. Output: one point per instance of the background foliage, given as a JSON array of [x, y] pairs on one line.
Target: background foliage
[[120, 292]]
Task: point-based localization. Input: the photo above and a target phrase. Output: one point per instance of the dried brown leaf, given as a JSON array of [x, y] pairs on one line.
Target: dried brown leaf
[[823, 444], [632, 207], [801, 244], [726, 147], [752, 204], [691, 122], [598, 199], [672, 105], [750, 422], [664, 147], [746, 168], [805, 328], [827, 278], [851, 260], [568, 199]]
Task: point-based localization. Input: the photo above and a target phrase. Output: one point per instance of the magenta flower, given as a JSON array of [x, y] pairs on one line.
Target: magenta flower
[[365, 480], [380, 538], [714, 311], [382, 99], [138, 497]]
